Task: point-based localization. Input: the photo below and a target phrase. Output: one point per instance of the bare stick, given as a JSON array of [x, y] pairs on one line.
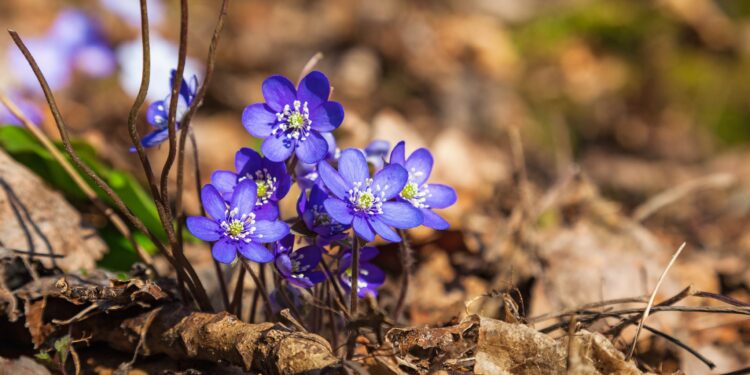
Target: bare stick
[[405, 253], [665, 198], [310, 66], [651, 300], [681, 344], [79, 181]]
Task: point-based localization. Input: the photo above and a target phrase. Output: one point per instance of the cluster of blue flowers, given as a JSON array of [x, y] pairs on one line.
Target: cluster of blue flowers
[[359, 190]]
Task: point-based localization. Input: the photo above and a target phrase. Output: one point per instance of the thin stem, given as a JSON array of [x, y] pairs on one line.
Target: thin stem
[[178, 262], [407, 261], [355, 276], [261, 287], [172, 116], [118, 223], [254, 305], [236, 306], [197, 101], [337, 288], [281, 288], [332, 318]]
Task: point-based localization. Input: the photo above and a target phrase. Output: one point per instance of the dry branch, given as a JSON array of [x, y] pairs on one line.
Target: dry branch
[[184, 334]]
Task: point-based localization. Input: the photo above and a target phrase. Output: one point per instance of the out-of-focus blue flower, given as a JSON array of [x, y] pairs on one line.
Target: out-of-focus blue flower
[[270, 177], [163, 60], [370, 276], [313, 213], [74, 42], [233, 226], [130, 10], [417, 191], [376, 152], [298, 267], [292, 120], [158, 112], [28, 108], [307, 173], [364, 202], [293, 296]]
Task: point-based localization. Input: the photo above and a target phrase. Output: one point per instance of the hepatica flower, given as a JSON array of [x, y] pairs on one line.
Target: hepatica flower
[[158, 112], [292, 120], [234, 227], [270, 177], [298, 267], [313, 213], [307, 173], [370, 276], [364, 202], [417, 191], [376, 153], [74, 42]]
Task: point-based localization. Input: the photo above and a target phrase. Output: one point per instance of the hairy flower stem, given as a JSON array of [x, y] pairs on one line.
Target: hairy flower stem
[[259, 286], [355, 276], [407, 260]]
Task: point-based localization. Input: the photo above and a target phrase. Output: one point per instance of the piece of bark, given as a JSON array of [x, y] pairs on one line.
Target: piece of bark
[[21, 366], [184, 334], [38, 220]]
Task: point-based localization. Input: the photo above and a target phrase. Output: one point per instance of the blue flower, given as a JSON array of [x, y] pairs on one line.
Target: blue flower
[[74, 42], [270, 177], [158, 112], [376, 152], [307, 173], [130, 11], [313, 213], [164, 53], [292, 120], [417, 191], [370, 276], [233, 226], [298, 267], [365, 202]]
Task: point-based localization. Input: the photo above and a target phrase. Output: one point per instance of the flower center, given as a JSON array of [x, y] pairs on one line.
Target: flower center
[[410, 191], [265, 185], [415, 194], [364, 199], [294, 121], [238, 228], [262, 188]]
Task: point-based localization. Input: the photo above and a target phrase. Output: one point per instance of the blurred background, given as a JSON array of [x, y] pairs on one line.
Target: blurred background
[[587, 138]]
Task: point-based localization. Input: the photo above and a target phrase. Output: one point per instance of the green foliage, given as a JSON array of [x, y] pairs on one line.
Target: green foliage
[[23, 147]]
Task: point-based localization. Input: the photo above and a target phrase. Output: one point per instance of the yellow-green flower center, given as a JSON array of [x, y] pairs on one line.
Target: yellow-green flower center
[[410, 191], [262, 188], [365, 200], [296, 120], [236, 227]]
